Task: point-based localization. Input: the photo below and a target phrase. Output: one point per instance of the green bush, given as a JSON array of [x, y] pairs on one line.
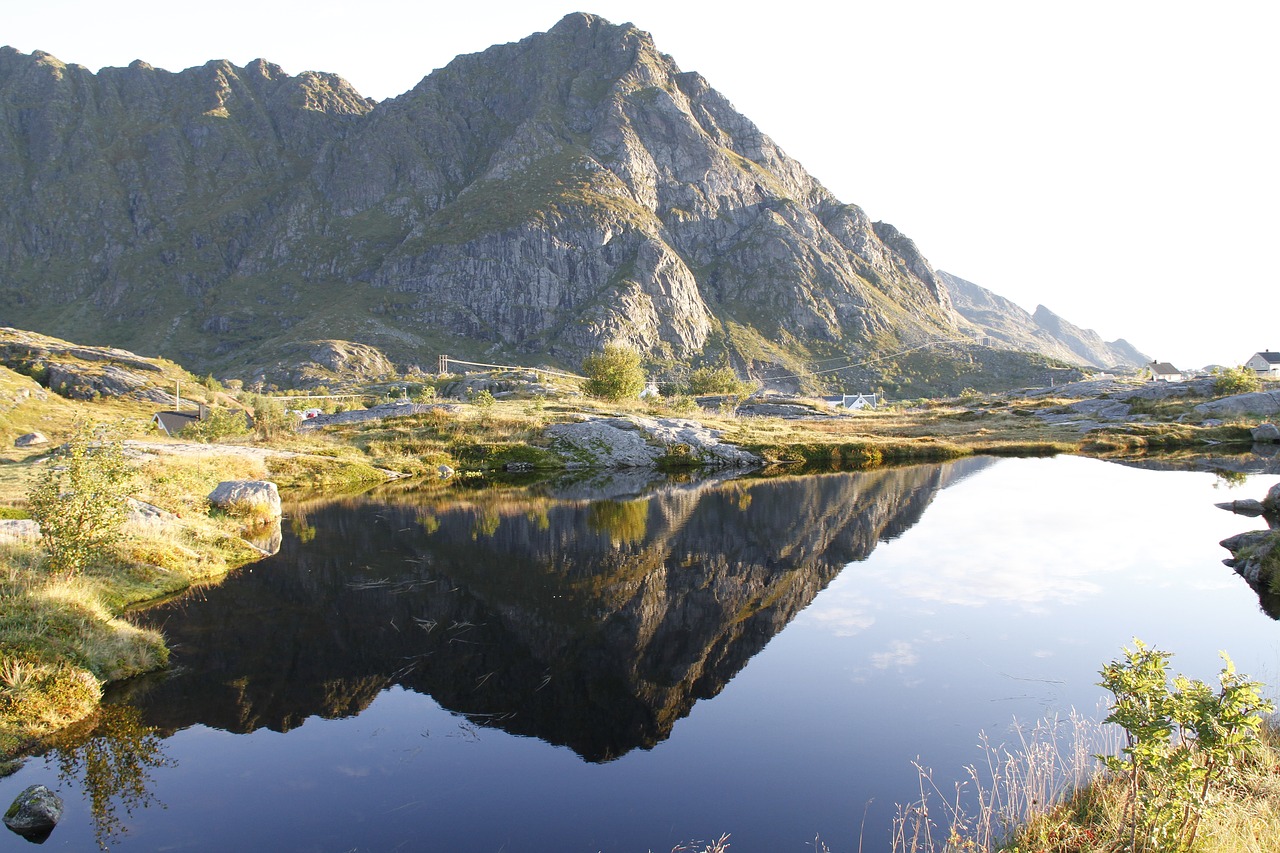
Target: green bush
[[79, 500], [614, 373], [720, 380], [219, 423], [1181, 744], [1237, 380]]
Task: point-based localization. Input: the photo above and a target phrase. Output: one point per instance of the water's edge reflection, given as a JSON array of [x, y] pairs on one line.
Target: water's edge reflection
[[595, 624]]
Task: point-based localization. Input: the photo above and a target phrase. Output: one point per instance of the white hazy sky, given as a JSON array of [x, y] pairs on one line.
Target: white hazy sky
[[1115, 161]]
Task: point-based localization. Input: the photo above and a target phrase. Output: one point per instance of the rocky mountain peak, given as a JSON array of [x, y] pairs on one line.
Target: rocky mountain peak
[[531, 201]]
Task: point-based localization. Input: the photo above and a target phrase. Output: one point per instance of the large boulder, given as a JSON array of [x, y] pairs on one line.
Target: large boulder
[[1266, 433], [31, 439], [635, 442], [34, 813], [256, 501]]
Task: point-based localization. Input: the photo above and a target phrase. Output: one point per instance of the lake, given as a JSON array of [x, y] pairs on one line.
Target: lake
[[628, 665]]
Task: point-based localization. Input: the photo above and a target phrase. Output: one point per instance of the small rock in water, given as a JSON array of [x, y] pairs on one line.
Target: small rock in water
[[34, 813]]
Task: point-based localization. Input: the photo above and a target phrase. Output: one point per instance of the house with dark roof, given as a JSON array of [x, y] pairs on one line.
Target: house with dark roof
[[1265, 364], [172, 423], [1163, 371]]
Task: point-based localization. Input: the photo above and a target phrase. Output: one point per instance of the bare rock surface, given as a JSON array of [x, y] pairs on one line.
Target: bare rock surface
[[636, 442], [377, 413], [1262, 404]]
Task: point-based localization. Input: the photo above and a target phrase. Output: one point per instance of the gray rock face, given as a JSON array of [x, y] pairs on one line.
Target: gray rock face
[[635, 442], [1266, 433], [1248, 506], [34, 813], [253, 500], [1257, 404], [31, 439]]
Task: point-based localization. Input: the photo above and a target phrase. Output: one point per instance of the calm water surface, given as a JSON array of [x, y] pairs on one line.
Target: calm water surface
[[622, 667]]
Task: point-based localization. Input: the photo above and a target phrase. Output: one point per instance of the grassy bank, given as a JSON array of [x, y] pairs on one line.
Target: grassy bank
[[63, 637]]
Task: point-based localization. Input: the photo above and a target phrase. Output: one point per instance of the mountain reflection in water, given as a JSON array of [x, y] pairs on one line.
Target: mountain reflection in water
[[595, 624]]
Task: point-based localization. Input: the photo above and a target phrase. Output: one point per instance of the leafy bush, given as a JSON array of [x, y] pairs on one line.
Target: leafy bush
[[614, 373], [720, 380], [219, 423], [1180, 744], [1237, 380], [79, 501]]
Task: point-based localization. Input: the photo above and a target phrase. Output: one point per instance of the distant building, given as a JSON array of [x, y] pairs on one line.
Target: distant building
[[172, 423], [1265, 364], [854, 402], [1163, 371]]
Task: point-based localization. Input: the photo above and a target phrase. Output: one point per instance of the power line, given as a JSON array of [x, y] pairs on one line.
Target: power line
[[869, 361]]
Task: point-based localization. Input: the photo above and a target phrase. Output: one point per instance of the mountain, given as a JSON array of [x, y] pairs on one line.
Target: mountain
[[1008, 326], [529, 202]]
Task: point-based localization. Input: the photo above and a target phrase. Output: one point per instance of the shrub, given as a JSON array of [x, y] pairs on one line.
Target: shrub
[[614, 373], [1236, 380], [79, 501], [1180, 744], [720, 380], [219, 423]]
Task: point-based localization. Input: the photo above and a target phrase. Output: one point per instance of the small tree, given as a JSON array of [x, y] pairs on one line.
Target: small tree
[[269, 417], [1180, 744], [79, 501], [613, 373]]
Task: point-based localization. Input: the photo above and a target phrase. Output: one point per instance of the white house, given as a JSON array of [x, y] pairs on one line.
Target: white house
[[854, 401], [1163, 371], [1265, 364]]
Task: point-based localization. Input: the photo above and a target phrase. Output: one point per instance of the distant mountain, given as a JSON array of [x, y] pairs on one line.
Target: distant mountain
[[1008, 326], [529, 202]]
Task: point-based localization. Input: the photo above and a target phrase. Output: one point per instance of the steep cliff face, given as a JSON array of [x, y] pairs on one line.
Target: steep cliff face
[[1008, 326], [539, 198]]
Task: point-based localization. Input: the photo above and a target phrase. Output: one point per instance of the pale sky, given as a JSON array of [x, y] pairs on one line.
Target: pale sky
[[1115, 161]]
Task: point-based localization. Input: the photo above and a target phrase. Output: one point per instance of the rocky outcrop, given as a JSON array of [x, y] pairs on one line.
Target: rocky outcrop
[[399, 409], [636, 442], [1255, 555], [31, 439], [1262, 404], [84, 372]]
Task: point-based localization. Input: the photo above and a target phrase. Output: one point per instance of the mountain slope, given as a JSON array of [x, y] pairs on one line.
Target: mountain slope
[[1008, 326], [531, 201]]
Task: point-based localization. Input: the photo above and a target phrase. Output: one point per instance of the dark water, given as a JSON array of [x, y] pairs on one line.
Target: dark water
[[622, 667]]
